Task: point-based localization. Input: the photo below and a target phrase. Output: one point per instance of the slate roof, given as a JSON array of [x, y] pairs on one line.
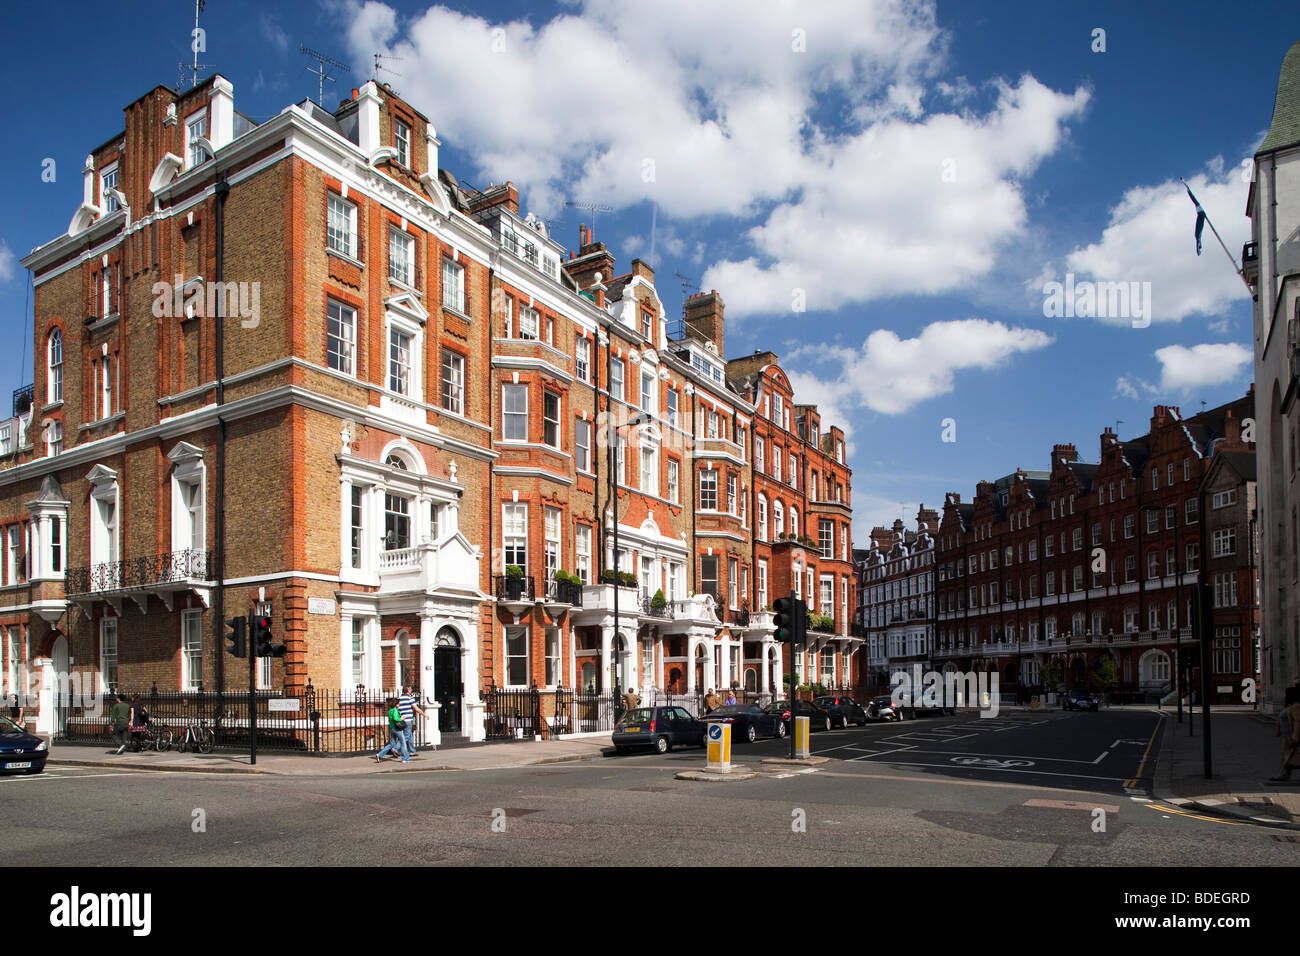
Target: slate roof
[[1284, 131]]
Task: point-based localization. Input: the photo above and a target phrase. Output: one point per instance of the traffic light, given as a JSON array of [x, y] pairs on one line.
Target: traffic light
[[260, 628], [237, 637], [791, 618]]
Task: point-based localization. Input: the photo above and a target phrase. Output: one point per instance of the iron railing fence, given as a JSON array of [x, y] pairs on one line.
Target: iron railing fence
[[143, 571], [307, 720]]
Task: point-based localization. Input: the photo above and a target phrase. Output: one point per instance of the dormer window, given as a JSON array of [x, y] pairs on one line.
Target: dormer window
[[402, 142], [196, 128], [107, 183]]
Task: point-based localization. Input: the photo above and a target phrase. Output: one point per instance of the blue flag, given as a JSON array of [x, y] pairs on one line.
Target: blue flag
[[1200, 217]]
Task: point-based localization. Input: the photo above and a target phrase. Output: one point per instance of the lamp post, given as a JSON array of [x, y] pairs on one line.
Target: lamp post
[[1178, 634]]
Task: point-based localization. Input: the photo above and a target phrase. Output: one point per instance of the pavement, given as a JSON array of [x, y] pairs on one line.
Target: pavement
[[494, 756], [1245, 752]]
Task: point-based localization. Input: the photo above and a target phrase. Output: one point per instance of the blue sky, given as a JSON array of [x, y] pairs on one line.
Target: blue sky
[[879, 190]]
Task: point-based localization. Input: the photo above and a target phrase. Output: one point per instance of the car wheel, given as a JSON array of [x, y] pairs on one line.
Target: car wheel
[[844, 722], [828, 724], [662, 745], [751, 734], [780, 730]]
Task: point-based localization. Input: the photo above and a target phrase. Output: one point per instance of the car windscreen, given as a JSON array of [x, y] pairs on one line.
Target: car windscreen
[[642, 715], [7, 726]]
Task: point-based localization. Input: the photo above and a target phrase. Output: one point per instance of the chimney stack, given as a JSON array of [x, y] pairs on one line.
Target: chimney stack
[[704, 318], [1062, 454]]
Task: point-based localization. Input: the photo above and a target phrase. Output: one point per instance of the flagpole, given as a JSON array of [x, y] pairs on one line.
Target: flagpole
[[1235, 268]]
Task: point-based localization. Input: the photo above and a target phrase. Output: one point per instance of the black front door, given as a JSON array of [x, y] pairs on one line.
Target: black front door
[[447, 688]]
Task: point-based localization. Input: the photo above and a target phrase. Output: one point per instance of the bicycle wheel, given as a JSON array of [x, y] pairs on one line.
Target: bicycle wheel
[[206, 743], [182, 742], [163, 741]]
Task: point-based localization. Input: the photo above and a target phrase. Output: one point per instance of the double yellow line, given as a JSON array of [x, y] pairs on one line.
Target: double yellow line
[[1134, 780]]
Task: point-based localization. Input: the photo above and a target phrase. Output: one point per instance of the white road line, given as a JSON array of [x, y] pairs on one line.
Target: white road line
[[1102, 757], [78, 776], [883, 752], [1032, 773], [976, 753]]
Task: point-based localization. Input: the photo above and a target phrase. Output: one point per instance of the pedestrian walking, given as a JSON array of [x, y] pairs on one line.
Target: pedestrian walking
[[120, 716], [409, 706], [15, 710], [1288, 728], [731, 697], [396, 739], [631, 699], [711, 701]]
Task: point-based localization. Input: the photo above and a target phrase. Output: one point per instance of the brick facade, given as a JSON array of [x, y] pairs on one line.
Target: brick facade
[[413, 411]]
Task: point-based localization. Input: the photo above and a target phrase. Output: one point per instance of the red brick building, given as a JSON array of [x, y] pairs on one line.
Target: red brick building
[[1087, 561], [421, 430]]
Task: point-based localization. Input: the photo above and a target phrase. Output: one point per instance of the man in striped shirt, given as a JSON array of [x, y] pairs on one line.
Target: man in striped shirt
[[409, 706]]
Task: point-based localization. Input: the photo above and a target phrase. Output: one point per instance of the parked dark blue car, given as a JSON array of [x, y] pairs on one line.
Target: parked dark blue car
[[659, 727], [748, 722], [20, 752]]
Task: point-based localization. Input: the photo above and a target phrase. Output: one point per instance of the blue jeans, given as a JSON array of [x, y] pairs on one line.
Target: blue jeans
[[397, 742], [408, 737]]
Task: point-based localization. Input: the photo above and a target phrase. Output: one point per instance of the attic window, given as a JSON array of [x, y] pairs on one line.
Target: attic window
[[402, 141], [196, 128], [107, 183]]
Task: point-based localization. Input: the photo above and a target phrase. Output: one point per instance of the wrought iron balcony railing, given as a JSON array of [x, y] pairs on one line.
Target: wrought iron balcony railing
[[140, 572], [515, 588], [23, 398], [565, 592]]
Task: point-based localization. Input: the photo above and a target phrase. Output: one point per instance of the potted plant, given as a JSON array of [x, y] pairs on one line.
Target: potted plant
[[608, 576], [627, 579], [514, 582], [658, 602]]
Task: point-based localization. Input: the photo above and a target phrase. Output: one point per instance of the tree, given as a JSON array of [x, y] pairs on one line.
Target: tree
[[1105, 674], [1051, 673]]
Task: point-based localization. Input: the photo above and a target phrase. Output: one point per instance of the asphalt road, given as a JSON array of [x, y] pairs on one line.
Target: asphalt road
[[892, 795]]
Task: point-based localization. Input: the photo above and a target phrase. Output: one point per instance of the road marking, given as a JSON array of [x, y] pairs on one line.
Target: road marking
[[977, 753], [1032, 773], [990, 762], [1073, 805], [1104, 753], [73, 776], [1137, 777], [1197, 816]]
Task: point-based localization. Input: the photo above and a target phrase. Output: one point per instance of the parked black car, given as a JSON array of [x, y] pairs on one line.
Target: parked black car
[[844, 710], [659, 727], [1076, 698], [20, 752], [748, 721], [819, 717]]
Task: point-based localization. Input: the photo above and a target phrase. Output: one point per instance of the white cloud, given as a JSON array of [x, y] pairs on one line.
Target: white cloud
[[1125, 388], [272, 32], [891, 375], [720, 98], [1184, 369], [7, 263], [1150, 239]]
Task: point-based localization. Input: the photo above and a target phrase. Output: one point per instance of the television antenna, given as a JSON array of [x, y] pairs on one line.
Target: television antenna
[[322, 61], [379, 66], [687, 285], [196, 65], [593, 208]]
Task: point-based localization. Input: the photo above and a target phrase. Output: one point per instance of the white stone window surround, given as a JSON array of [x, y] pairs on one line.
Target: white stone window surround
[[189, 498], [376, 479], [105, 519]]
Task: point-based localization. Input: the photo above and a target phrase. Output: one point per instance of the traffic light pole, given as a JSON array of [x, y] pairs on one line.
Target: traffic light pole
[[793, 636], [252, 697]]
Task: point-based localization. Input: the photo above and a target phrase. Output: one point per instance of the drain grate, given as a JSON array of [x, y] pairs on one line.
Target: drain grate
[[1285, 839]]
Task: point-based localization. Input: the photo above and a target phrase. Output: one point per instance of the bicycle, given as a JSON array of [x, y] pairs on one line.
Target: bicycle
[[198, 737], [147, 737]]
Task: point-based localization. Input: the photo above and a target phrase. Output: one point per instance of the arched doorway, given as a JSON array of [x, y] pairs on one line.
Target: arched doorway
[[448, 688], [1153, 671], [751, 680], [588, 677]]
